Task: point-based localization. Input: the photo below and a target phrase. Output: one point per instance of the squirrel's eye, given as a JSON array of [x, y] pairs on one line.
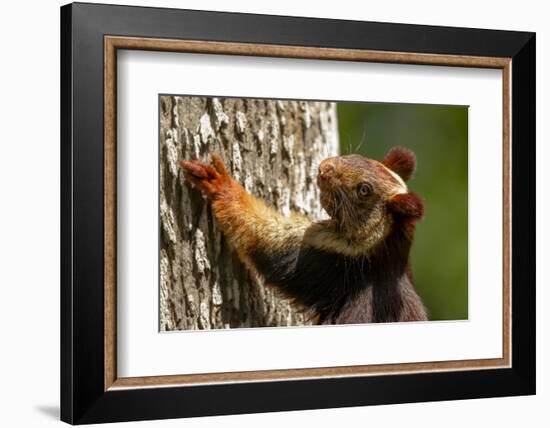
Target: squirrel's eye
[[364, 189]]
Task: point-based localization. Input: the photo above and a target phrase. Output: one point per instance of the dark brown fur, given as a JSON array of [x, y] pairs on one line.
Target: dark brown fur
[[401, 161]]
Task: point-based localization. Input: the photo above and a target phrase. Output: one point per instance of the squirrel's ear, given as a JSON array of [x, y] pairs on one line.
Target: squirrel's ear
[[401, 161], [406, 205]]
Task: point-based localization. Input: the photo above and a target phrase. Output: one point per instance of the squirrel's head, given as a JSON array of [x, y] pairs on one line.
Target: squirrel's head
[[356, 190]]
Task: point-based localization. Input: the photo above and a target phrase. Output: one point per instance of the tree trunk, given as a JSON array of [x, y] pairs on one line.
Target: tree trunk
[[273, 148]]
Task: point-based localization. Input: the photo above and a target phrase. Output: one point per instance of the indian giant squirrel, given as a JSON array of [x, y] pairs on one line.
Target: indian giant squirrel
[[352, 268]]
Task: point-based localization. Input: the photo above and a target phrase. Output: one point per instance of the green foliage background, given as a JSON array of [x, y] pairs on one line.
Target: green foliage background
[[439, 137]]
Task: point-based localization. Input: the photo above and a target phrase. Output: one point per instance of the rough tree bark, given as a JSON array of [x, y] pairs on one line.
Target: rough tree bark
[[273, 148]]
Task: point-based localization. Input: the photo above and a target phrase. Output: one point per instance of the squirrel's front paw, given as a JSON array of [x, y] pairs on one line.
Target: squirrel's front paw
[[210, 179]]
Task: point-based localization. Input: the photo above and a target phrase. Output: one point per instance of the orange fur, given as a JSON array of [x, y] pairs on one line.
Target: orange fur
[[245, 220]]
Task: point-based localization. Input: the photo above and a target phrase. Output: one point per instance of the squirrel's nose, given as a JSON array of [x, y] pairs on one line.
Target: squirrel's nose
[[326, 171]]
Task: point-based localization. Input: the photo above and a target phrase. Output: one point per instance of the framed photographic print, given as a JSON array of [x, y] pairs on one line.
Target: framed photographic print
[[265, 213]]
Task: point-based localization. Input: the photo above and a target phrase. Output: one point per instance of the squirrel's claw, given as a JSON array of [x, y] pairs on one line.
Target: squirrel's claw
[[199, 169], [218, 164], [208, 178]]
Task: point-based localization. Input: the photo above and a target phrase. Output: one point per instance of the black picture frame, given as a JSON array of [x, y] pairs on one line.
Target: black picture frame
[[83, 396]]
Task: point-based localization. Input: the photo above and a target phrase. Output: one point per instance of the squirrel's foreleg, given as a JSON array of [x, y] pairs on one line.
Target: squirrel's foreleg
[[255, 230]]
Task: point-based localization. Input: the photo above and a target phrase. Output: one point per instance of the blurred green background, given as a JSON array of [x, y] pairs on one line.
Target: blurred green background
[[439, 137]]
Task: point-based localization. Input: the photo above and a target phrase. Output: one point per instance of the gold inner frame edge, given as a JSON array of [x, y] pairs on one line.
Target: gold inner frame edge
[[113, 43]]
